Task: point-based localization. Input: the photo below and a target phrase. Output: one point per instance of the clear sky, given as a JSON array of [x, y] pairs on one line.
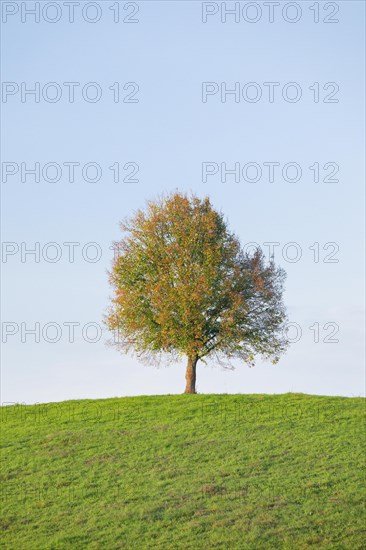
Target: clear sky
[[168, 125]]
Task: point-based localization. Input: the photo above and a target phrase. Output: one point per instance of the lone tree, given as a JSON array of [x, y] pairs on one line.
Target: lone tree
[[184, 286]]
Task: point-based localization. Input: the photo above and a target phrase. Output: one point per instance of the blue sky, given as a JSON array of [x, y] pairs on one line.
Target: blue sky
[[168, 134]]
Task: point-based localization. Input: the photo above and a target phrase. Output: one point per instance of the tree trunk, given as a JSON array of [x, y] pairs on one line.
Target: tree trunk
[[191, 375]]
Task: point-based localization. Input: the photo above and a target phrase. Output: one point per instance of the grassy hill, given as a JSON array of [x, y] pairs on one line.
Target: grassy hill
[[185, 472]]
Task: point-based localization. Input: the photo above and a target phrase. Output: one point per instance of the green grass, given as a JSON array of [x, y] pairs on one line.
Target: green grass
[[185, 472]]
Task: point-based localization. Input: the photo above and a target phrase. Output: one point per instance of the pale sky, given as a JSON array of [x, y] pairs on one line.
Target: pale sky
[[296, 157]]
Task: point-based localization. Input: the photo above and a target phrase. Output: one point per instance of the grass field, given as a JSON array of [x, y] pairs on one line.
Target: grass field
[[185, 471]]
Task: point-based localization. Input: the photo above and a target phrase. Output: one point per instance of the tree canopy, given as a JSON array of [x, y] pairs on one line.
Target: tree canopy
[[184, 286]]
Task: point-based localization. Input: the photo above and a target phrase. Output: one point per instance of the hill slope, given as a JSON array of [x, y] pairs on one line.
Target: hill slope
[[185, 472]]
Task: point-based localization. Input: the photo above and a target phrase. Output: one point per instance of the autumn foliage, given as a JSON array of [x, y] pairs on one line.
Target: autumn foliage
[[183, 286]]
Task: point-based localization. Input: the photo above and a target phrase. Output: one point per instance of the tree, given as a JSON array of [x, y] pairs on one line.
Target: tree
[[184, 286]]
